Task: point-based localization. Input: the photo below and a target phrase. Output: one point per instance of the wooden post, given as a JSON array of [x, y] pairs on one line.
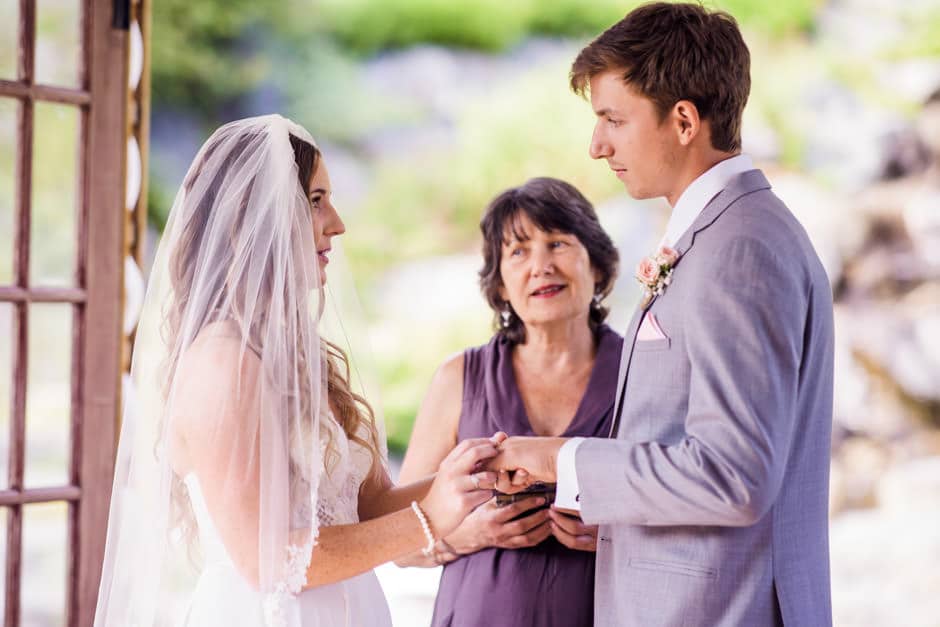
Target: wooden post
[[104, 271]]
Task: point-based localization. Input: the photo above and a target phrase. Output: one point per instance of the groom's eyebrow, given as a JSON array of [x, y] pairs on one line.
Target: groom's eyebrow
[[602, 112]]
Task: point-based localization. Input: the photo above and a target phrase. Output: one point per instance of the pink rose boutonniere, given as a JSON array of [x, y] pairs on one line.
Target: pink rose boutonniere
[[655, 273]]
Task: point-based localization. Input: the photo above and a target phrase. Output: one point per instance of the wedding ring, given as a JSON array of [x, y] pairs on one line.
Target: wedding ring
[[475, 480]]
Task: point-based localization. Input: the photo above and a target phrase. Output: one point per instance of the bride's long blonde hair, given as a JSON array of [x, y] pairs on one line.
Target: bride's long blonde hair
[[350, 409]]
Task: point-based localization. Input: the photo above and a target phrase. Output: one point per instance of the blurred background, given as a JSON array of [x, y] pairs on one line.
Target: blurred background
[[426, 109]]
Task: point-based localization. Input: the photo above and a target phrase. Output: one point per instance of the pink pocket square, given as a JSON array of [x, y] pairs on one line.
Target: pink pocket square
[[650, 329]]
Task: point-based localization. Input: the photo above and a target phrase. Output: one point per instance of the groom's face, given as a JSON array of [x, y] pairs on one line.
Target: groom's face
[[640, 148]]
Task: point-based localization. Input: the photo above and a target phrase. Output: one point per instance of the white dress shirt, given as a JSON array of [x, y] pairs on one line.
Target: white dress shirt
[[693, 200]]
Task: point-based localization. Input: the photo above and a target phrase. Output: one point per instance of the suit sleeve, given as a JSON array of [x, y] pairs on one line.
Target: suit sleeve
[[743, 336]]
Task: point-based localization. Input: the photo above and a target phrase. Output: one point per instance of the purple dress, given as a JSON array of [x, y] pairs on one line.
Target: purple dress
[[549, 584]]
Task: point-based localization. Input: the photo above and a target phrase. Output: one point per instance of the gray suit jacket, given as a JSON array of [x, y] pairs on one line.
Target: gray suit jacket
[[713, 497]]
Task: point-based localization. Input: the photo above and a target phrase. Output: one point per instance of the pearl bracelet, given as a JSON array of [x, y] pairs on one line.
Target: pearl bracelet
[[428, 551]]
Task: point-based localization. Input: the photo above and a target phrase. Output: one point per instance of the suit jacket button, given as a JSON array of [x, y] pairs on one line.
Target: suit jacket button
[[577, 498]]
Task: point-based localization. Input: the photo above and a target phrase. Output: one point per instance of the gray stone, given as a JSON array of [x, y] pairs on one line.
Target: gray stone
[[905, 349], [911, 488], [441, 80], [843, 122], [910, 79], [903, 153], [928, 123], [922, 220], [859, 463]]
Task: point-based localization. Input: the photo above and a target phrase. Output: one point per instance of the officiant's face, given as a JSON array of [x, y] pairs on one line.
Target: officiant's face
[[326, 221], [640, 148], [547, 276]]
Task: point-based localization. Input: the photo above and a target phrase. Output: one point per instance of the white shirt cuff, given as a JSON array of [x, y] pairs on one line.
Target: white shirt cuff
[[567, 490]]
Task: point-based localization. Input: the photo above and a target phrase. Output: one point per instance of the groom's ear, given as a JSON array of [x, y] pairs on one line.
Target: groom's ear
[[686, 121]]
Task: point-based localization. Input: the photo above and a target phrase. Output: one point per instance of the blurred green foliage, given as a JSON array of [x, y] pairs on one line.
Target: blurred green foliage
[[407, 370], [494, 25], [515, 133], [207, 54], [776, 18], [923, 35]]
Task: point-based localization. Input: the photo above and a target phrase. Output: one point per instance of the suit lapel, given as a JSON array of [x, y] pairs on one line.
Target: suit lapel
[[742, 184], [629, 340]]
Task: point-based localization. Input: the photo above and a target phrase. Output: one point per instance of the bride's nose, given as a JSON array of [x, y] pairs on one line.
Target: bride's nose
[[334, 224]]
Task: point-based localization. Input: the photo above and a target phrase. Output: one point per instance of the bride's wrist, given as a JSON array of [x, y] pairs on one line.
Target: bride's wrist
[[429, 536], [428, 515]]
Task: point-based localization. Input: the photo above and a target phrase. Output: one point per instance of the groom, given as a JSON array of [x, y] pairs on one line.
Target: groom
[[712, 495]]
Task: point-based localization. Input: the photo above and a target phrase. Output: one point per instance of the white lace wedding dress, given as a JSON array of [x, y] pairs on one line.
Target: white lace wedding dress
[[222, 597]]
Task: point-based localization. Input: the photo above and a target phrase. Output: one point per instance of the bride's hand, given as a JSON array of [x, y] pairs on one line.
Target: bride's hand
[[459, 486]]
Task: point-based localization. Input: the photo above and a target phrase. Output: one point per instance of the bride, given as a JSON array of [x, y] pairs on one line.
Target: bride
[[251, 485]]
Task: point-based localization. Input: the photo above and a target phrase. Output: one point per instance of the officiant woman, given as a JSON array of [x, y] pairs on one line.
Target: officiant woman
[[550, 369]]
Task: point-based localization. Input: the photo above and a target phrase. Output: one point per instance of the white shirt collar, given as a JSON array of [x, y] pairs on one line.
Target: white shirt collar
[[700, 192]]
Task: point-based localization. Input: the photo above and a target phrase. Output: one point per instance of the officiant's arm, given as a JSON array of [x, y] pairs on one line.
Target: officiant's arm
[[433, 435], [436, 429], [745, 344]]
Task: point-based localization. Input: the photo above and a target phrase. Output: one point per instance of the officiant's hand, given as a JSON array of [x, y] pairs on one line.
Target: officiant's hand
[[572, 532], [534, 455], [491, 525]]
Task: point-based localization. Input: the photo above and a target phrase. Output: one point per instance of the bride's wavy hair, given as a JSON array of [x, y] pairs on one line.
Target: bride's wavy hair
[[351, 410]]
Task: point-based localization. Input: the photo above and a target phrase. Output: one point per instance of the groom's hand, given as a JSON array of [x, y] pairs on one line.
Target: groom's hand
[[534, 455]]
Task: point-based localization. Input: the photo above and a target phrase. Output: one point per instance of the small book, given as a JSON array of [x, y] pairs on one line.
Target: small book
[[536, 489]]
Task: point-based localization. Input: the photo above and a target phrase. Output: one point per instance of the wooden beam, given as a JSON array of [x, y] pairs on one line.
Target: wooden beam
[[23, 180], [42, 295], [104, 172], [46, 93], [39, 495]]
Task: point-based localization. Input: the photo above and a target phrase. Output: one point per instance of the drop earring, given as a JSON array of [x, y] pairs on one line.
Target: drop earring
[[506, 316]]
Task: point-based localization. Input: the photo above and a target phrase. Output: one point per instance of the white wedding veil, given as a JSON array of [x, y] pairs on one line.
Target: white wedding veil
[[231, 373]]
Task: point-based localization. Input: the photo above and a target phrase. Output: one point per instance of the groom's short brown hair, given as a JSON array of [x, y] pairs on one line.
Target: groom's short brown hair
[[671, 52]]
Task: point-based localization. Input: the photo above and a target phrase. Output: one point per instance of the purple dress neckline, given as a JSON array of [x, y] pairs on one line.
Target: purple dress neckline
[[548, 585]]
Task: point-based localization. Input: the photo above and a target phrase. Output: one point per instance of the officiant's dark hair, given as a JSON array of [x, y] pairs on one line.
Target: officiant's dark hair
[[670, 52], [553, 206]]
